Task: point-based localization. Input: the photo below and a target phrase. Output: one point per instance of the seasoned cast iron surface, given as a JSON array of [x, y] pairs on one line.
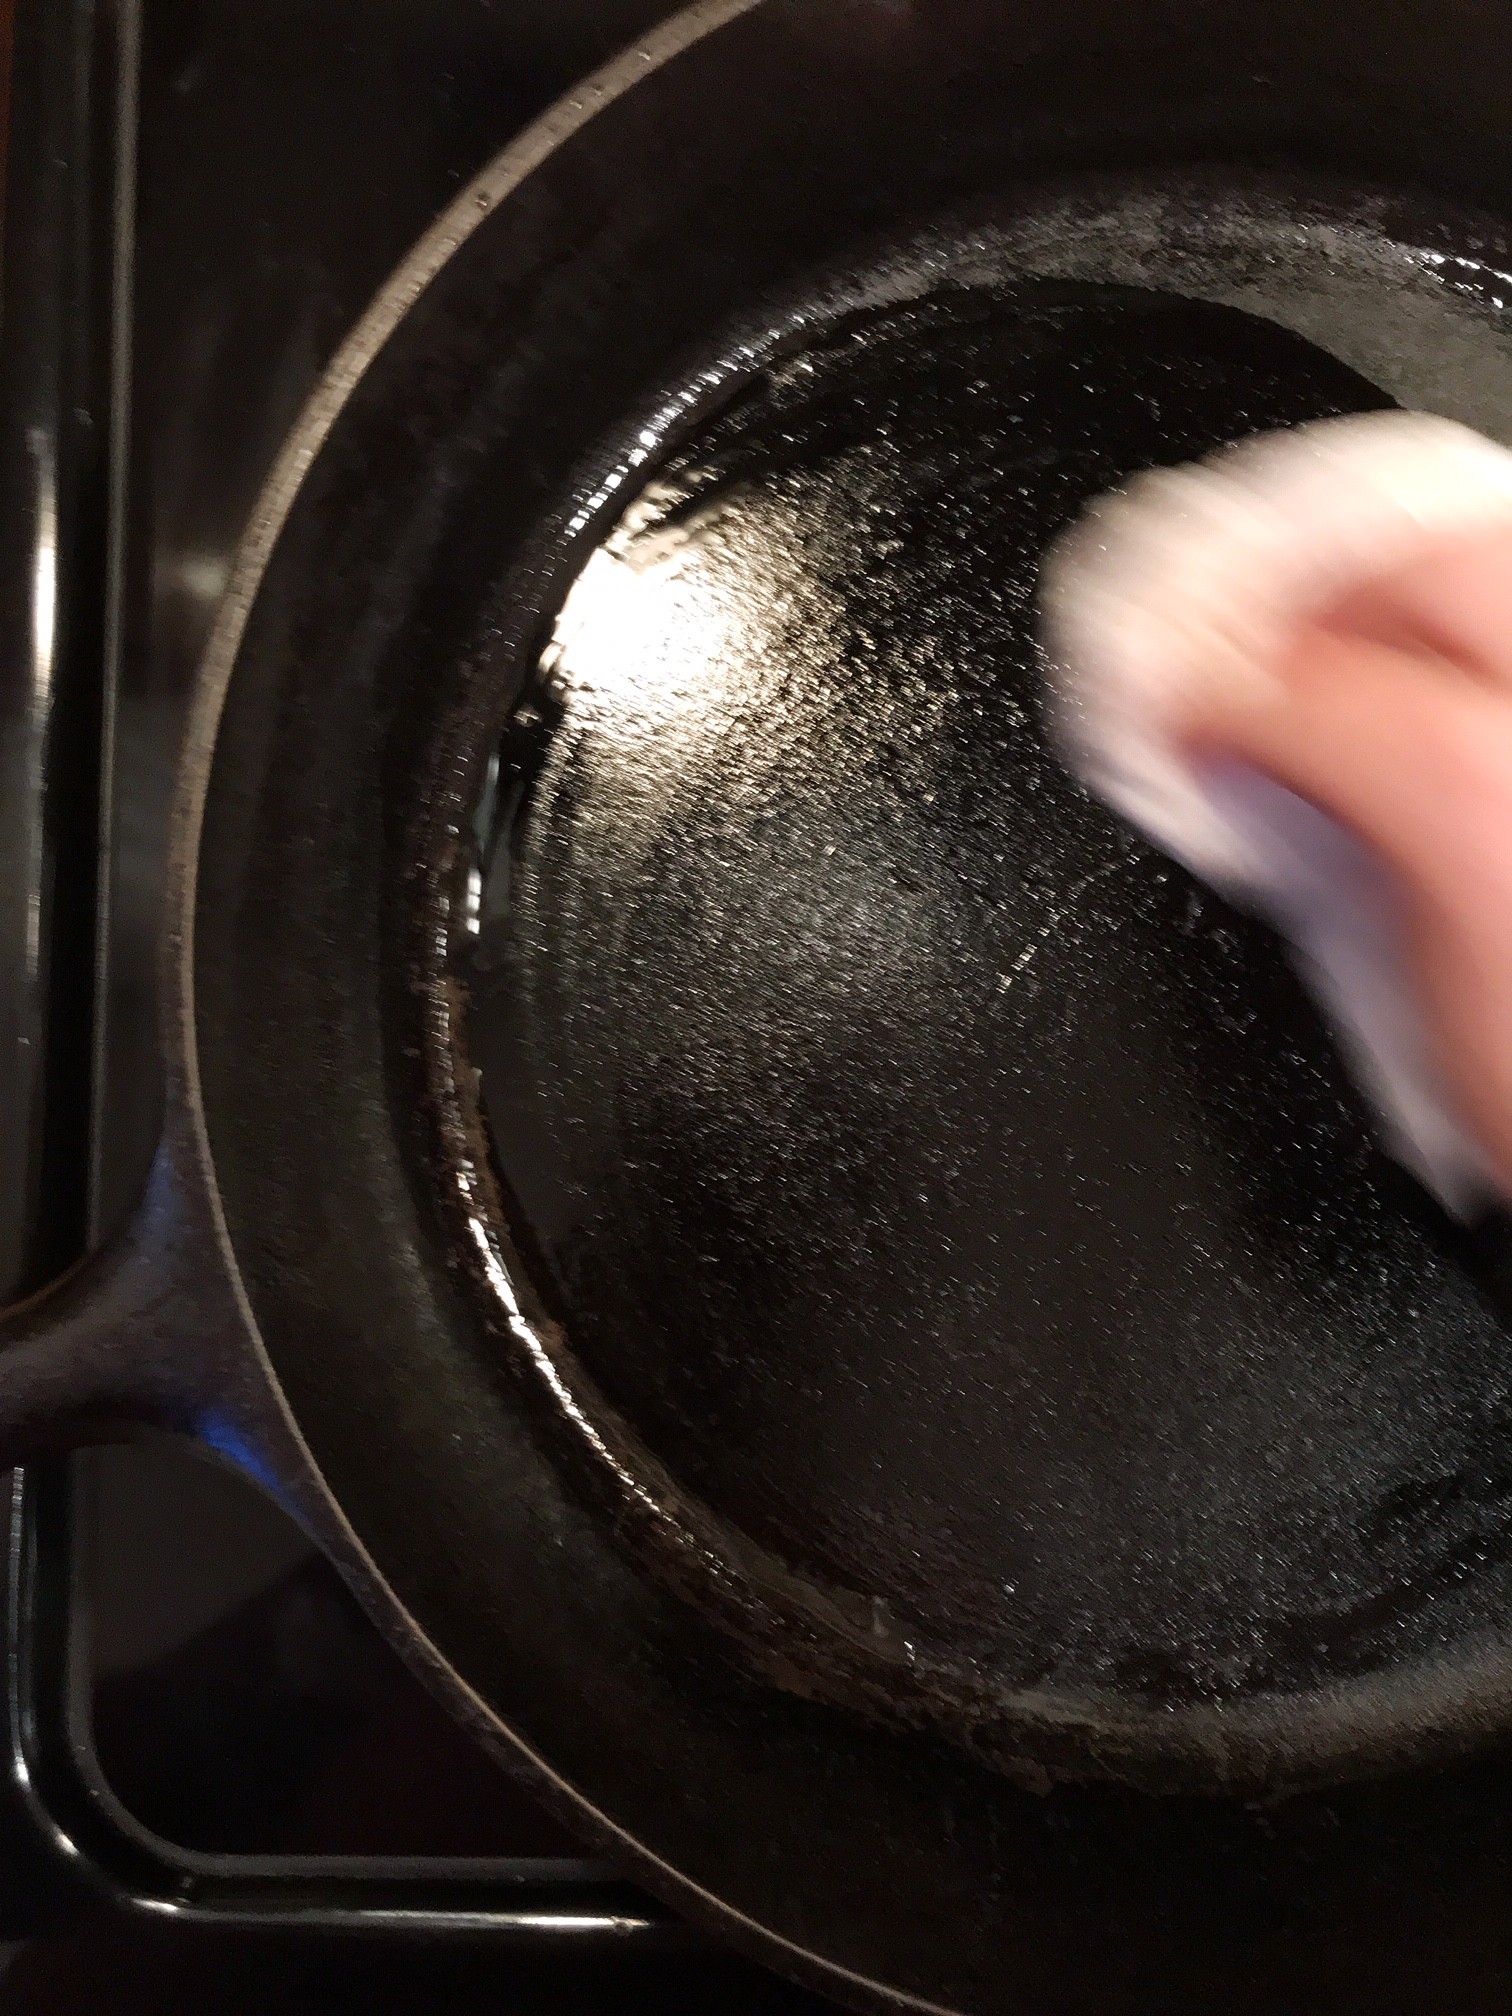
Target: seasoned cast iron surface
[[953, 1195]]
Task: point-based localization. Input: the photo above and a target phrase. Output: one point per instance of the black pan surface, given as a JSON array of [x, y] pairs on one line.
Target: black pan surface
[[852, 1304], [965, 1207]]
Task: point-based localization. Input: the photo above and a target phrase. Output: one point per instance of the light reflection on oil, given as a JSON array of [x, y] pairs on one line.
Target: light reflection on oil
[[644, 642]]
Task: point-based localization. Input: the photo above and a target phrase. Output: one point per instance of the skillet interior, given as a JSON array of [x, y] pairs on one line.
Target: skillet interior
[[958, 1203]]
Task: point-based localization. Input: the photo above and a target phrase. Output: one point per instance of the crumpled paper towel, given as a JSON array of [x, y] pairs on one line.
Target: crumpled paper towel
[[1195, 579]]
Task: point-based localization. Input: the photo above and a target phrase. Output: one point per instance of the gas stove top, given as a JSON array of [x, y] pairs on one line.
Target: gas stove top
[[218, 1773]]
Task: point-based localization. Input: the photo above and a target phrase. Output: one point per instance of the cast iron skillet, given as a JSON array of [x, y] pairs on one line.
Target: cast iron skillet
[[842, 1313]]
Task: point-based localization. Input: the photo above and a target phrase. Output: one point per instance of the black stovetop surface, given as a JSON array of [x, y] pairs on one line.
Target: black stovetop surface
[[223, 1789]]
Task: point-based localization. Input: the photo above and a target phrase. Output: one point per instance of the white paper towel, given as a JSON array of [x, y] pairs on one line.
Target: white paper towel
[[1197, 578]]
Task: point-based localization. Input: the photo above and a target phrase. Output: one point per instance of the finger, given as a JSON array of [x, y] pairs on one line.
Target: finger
[[1452, 601], [1416, 758]]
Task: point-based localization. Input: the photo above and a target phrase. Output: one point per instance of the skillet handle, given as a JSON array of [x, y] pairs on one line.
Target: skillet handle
[[123, 1342]]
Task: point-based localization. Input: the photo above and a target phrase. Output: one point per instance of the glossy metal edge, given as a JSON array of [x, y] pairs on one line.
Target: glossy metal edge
[[83, 1843], [55, 315]]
